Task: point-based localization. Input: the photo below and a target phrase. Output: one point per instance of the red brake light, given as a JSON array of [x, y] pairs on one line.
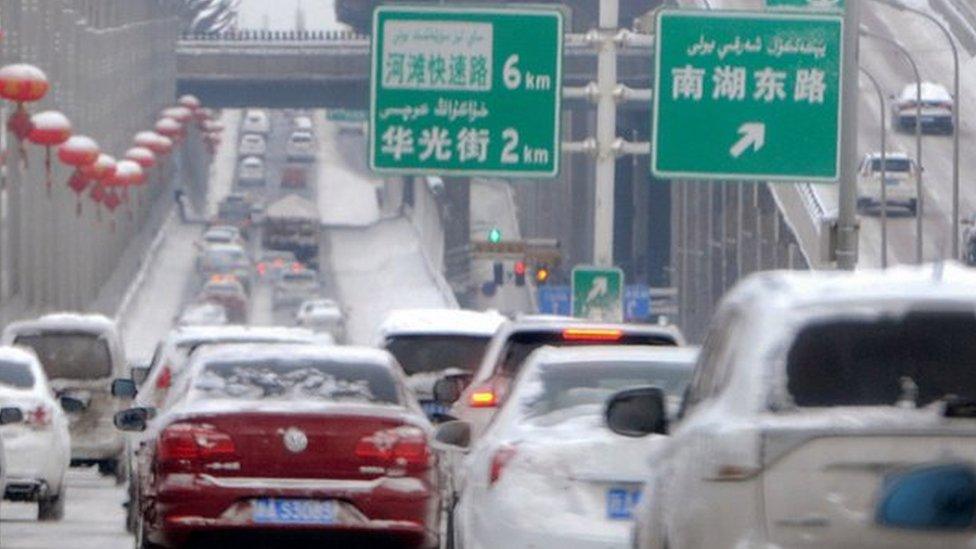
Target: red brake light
[[296, 267], [182, 444], [165, 378], [501, 458], [262, 268], [398, 447], [484, 397], [592, 334]]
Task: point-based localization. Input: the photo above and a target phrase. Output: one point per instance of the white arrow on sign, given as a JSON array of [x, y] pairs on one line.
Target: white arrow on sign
[[600, 288], [753, 135]]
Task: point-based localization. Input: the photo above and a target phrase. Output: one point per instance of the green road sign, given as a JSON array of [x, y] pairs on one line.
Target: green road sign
[[466, 91], [598, 293], [745, 95]]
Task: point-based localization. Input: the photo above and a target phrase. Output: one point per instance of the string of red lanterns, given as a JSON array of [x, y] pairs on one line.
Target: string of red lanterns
[[106, 180]]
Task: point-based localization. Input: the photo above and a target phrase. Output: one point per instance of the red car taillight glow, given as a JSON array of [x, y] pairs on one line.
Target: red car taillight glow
[[484, 396], [499, 460], [399, 447], [184, 445]]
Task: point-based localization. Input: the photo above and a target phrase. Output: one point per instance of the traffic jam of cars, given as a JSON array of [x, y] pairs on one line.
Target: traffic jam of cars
[[475, 429]]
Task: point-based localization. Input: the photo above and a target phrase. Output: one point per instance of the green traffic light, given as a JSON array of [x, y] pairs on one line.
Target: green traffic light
[[494, 235]]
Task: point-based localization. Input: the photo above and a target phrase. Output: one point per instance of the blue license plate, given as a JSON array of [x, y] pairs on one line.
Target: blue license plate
[[293, 511], [432, 408], [621, 503]]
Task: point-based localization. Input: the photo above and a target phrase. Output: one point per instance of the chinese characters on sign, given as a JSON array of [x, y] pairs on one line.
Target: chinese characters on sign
[[758, 93], [466, 91]]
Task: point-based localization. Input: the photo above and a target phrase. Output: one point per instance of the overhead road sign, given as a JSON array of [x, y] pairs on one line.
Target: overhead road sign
[[598, 293], [466, 91], [747, 96]]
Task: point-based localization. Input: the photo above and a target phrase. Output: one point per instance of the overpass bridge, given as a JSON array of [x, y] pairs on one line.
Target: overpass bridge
[[328, 69]]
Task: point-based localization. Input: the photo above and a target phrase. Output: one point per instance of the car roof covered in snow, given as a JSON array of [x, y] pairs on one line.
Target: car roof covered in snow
[[789, 290], [65, 322], [293, 207], [440, 321], [616, 353], [931, 91], [249, 352], [195, 335]]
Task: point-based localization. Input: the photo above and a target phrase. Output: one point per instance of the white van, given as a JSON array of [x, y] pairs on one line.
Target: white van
[[81, 355], [301, 147], [256, 121]]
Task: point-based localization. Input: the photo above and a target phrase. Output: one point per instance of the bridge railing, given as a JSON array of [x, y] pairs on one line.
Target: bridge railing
[[268, 36]]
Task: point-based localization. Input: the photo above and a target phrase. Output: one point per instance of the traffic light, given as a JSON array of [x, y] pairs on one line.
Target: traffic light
[[519, 273], [499, 273], [495, 235], [541, 275]]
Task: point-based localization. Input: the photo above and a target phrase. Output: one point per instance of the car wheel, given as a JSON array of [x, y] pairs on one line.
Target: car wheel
[[52, 508]]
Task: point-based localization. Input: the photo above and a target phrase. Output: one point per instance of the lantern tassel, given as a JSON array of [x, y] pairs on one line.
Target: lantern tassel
[[47, 170]]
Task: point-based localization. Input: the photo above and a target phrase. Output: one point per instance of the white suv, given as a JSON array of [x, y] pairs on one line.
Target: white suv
[[811, 392], [901, 182]]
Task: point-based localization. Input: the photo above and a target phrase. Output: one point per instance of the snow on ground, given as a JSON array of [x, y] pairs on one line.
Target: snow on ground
[[168, 281], [347, 195], [378, 269], [93, 518], [225, 161]]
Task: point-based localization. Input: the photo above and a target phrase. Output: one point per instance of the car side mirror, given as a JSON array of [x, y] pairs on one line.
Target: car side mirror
[[11, 415], [637, 412], [139, 373], [71, 404], [938, 497], [454, 433], [124, 388], [132, 420]]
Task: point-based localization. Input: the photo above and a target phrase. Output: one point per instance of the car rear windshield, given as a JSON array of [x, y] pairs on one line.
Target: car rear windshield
[[299, 278], [16, 374], [920, 357], [298, 380], [566, 386], [70, 355], [225, 258], [521, 344], [435, 353], [892, 165]]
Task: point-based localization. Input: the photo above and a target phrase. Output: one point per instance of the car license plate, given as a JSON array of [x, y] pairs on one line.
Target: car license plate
[[621, 503], [432, 408], [293, 511]]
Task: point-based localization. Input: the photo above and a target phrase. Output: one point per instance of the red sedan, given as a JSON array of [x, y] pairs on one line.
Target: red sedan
[[269, 442]]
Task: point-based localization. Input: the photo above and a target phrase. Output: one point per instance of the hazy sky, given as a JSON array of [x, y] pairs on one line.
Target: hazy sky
[[319, 14]]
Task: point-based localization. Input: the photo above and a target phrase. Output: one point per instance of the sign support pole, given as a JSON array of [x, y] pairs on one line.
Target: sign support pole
[[847, 227], [606, 132]]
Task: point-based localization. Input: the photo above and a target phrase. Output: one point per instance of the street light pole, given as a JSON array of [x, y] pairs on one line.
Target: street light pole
[[918, 138], [606, 133], [884, 167], [956, 106], [846, 248]]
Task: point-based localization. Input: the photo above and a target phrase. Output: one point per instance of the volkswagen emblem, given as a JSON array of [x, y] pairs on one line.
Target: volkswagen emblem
[[295, 440]]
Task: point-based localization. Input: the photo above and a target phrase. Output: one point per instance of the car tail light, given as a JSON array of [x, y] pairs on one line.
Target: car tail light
[[484, 396], [38, 417], [183, 445], [592, 334], [165, 378], [404, 447], [296, 267], [499, 460], [262, 268]]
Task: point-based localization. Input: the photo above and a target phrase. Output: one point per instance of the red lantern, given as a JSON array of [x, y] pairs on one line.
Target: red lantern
[[159, 145], [79, 151], [189, 101], [22, 84], [168, 127], [49, 129], [127, 173], [142, 156], [102, 170], [202, 115], [180, 114]]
